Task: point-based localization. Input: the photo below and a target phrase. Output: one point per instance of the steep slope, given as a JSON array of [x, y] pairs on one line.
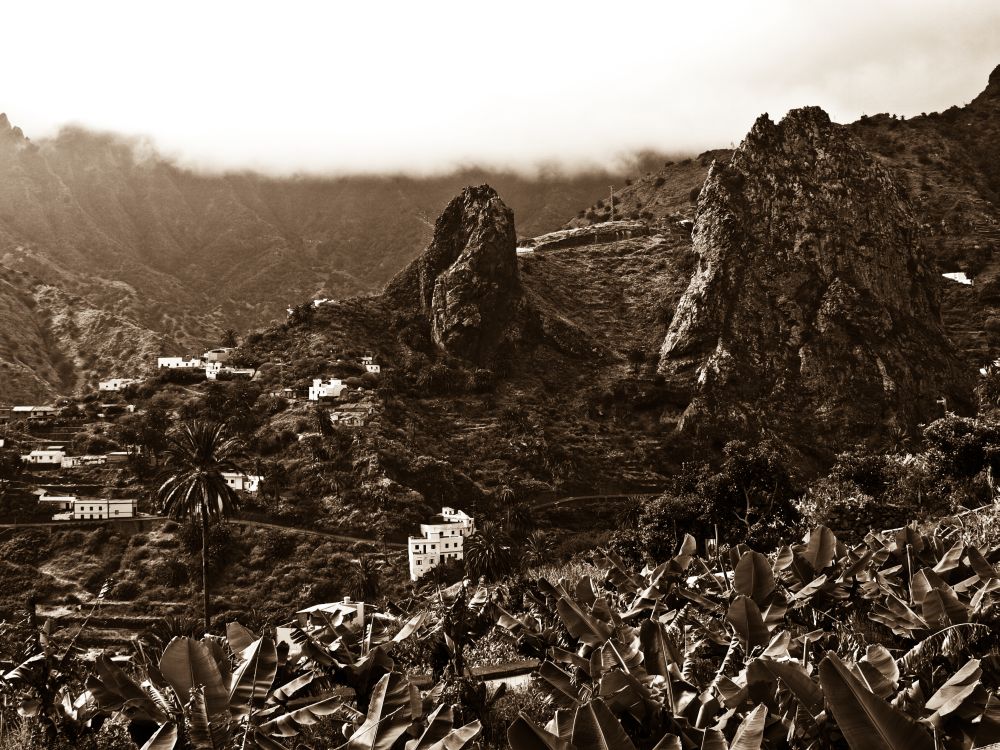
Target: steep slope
[[53, 343], [812, 313]]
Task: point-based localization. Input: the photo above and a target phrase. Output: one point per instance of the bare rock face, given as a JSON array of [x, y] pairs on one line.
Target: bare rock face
[[812, 313], [467, 281]]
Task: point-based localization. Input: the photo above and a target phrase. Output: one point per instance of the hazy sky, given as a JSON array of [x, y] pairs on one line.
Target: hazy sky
[[347, 86]]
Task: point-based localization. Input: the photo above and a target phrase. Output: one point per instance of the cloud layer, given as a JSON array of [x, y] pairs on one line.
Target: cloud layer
[[338, 87]]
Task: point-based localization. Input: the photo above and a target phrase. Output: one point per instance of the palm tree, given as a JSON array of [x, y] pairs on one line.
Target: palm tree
[[364, 578], [197, 454], [537, 548], [230, 337], [488, 553]]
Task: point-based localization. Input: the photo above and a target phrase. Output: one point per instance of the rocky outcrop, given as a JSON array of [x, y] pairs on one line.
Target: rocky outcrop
[[466, 282], [812, 313]]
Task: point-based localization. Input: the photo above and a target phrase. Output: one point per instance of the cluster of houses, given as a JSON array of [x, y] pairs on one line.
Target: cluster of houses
[[74, 508], [441, 540], [213, 362], [55, 456]]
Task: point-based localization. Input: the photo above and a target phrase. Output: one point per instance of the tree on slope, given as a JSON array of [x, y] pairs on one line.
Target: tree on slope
[[197, 454]]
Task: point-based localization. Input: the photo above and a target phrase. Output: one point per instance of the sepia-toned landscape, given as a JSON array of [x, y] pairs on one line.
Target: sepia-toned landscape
[[683, 450]]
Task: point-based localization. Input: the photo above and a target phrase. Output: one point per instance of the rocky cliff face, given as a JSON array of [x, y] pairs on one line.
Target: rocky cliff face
[[812, 312], [466, 282]]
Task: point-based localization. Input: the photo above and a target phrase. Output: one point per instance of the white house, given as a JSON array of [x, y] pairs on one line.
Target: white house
[[321, 389], [373, 368], [116, 384], [178, 363], [51, 456], [442, 539], [221, 354], [242, 482], [99, 508], [72, 462], [959, 276]]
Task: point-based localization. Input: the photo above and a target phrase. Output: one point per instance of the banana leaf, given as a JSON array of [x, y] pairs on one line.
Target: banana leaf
[[866, 721]]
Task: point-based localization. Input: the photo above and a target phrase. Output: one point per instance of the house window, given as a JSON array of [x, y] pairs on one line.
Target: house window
[[420, 562]]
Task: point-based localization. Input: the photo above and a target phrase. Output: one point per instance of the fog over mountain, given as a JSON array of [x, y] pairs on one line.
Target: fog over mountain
[[430, 87]]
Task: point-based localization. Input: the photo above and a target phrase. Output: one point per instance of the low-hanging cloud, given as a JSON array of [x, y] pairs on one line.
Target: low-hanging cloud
[[426, 87]]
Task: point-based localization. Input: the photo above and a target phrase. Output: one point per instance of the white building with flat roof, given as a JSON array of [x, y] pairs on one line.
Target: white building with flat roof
[[331, 388], [99, 508], [116, 384], [73, 462], [51, 456], [242, 482], [178, 363], [441, 540]]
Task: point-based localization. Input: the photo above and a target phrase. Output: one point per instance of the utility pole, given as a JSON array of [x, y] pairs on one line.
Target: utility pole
[[612, 187]]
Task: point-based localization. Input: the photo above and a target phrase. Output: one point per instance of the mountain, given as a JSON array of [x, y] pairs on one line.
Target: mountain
[[812, 313], [947, 166], [183, 255]]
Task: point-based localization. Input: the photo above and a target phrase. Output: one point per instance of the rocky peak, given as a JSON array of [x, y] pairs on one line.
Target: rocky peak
[[991, 94], [466, 281], [811, 313], [8, 132]]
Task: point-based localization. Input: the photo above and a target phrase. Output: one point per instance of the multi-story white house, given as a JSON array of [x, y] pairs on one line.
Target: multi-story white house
[[442, 539], [179, 363], [51, 456], [242, 482], [321, 389], [99, 508]]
